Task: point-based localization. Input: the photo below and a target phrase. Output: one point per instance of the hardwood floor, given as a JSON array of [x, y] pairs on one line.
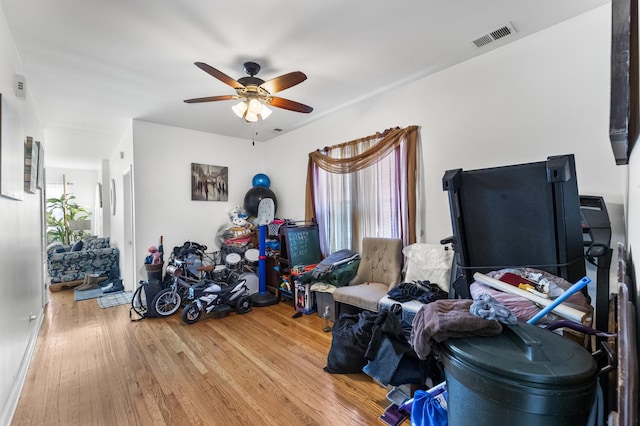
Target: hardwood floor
[[94, 366]]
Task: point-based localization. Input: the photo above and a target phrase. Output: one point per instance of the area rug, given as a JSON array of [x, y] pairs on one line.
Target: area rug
[[79, 295], [115, 299]]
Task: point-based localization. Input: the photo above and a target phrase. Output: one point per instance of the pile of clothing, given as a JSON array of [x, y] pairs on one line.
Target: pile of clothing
[[422, 291]]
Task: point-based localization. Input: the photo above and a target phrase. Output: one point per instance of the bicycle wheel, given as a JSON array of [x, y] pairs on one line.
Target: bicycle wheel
[[191, 313], [167, 302]]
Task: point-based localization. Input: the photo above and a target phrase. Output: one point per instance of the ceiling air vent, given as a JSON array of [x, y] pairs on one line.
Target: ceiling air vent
[[494, 35]]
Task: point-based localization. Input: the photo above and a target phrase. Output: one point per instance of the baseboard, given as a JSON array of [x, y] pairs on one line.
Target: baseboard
[[14, 396]]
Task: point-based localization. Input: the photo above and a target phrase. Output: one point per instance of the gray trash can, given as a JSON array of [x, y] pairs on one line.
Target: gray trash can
[[524, 376]]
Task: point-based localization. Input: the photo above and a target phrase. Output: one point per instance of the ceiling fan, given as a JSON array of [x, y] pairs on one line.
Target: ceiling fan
[[254, 92]]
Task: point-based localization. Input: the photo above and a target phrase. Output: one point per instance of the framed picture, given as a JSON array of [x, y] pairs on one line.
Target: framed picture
[[209, 183], [40, 166], [30, 165], [11, 150], [112, 197]]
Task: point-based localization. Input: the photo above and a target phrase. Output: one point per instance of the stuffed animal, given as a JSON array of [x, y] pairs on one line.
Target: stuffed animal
[[238, 216]]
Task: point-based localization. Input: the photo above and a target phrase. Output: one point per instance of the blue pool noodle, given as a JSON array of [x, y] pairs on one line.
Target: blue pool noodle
[[571, 290]]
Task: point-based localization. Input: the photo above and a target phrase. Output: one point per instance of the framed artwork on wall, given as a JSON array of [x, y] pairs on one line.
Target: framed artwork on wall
[[112, 196], [30, 165], [40, 166], [209, 183]]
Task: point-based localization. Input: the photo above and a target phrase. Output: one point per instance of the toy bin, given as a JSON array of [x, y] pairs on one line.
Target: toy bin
[[304, 300], [325, 305]]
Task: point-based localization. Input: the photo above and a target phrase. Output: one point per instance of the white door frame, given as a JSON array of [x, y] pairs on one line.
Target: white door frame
[[128, 214]]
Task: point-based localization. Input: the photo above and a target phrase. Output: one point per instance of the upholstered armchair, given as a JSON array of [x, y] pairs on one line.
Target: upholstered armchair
[[68, 265], [379, 271]]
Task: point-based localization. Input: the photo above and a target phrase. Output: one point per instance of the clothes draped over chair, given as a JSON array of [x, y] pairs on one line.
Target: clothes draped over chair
[[422, 291]]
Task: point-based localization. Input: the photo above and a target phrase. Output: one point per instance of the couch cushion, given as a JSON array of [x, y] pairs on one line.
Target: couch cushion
[[77, 246], [97, 243], [55, 247]]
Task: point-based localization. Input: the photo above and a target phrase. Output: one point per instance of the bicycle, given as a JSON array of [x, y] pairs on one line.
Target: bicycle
[[168, 300]]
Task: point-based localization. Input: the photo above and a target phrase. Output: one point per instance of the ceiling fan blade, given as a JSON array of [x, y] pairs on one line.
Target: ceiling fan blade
[[284, 82], [211, 99], [290, 105], [219, 75]]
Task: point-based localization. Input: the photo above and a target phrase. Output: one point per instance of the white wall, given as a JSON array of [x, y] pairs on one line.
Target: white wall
[[544, 95], [119, 162], [23, 293], [162, 174]]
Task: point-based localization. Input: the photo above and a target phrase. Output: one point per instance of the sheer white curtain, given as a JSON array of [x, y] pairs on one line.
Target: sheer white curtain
[[367, 198]]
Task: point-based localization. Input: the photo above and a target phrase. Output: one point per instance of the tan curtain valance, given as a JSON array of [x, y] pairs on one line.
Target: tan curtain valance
[[389, 140]]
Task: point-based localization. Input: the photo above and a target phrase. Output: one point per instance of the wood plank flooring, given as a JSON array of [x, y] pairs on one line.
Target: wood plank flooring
[[94, 366]]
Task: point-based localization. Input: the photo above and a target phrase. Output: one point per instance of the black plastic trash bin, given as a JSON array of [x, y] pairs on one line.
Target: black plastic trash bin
[[524, 376], [154, 271]]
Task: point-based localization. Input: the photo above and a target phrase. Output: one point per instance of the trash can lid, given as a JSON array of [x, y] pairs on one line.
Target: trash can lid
[[524, 352]]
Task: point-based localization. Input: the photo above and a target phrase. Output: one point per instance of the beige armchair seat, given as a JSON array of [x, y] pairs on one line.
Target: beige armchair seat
[[380, 270]]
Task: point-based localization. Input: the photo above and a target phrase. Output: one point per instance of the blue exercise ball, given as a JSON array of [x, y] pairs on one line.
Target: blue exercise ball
[[253, 197], [261, 180]]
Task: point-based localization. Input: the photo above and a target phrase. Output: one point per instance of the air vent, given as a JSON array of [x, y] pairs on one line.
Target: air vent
[[21, 87], [494, 35]]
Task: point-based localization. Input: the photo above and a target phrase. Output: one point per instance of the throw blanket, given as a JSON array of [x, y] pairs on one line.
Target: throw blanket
[[442, 319], [334, 260]]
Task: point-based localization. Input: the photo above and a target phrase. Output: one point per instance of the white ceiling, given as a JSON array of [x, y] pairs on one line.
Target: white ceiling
[[94, 65]]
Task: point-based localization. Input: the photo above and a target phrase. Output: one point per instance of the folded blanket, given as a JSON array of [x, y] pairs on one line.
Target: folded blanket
[[442, 319]]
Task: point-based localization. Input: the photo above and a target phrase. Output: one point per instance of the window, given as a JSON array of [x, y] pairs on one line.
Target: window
[[366, 187]]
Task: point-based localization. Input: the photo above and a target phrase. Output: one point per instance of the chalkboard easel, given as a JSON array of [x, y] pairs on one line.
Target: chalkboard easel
[[300, 244]]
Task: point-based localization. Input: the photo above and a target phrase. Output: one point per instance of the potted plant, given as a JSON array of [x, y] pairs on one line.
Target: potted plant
[[61, 212]]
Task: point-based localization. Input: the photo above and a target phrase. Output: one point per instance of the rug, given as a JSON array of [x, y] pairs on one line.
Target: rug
[[79, 295], [115, 299]]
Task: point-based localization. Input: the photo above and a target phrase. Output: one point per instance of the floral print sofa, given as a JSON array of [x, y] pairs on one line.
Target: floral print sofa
[[68, 264]]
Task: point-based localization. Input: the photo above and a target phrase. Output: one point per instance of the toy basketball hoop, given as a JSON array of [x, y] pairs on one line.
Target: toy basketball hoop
[[266, 211]]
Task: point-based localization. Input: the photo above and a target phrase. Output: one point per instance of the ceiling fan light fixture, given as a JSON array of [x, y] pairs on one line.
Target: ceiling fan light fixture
[[251, 110], [254, 107], [265, 112], [254, 92], [239, 109], [251, 117]]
